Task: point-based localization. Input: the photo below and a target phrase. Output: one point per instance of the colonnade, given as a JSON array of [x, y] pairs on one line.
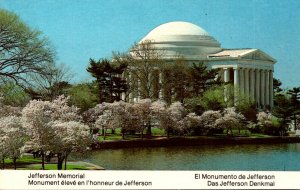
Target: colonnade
[[254, 83], [135, 95]]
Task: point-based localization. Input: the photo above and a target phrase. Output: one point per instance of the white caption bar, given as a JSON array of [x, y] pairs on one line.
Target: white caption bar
[[36, 179]]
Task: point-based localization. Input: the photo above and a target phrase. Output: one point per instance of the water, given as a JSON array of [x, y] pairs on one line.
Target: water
[[272, 157]]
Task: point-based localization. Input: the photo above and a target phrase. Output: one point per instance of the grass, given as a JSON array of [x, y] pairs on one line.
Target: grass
[[25, 159], [259, 135], [27, 162], [54, 167], [156, 132]]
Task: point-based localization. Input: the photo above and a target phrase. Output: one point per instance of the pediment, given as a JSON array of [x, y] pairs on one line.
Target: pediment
[[258, 55]]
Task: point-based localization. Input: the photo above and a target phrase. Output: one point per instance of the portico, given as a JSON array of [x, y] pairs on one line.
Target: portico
[[252, 73]]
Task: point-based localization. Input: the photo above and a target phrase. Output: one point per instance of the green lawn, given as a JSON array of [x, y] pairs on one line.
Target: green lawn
[[54, 167], [156, 132], [118, 136], [25, 159], [27, 162], [259, 135]]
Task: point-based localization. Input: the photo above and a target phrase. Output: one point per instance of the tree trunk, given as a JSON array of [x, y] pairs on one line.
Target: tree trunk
[[102, 131], [112, 131], [168, 133], [104, 134], [123, 135], [142, 134], [3, 163], [149, 130], [15, 162], [295, 122], [60, 160], [43, 160], [66, 161]]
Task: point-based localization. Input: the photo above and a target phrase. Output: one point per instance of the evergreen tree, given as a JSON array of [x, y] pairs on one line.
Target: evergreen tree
[[283, 110], [180, 80], [109, 79], [276, 85], [295, 103], [202, 78]]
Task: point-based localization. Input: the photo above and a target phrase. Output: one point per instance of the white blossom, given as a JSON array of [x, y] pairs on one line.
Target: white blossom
[[12, 137], [192, 120], [208, 118], [71, 136], [264, 118], [38, 117]]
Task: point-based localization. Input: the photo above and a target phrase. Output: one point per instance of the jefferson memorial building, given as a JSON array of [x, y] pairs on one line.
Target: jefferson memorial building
[[249, 70]]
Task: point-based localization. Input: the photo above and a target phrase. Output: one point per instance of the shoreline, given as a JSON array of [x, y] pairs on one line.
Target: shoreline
[[191, 141]]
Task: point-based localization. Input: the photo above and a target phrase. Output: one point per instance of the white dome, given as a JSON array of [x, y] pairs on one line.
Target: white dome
[[182, 39], [177, 28]]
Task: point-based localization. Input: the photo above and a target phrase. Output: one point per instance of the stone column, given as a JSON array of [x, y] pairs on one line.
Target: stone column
[[262, 87], [271, 89], [123, 95], [226, 75], [131, 88], [267, 87], [257, 82], [226, 79], [236, 77], [236, 84], [242, 81], [247, 82], [252, 81], [160, 95], [138, 90]]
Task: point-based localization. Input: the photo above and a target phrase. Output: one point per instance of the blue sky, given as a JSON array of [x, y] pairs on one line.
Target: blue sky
[[83, 29]]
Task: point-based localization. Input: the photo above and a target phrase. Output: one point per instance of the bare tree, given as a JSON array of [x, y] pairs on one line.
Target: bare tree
[[51, 84], [22, 50], [143, 62]]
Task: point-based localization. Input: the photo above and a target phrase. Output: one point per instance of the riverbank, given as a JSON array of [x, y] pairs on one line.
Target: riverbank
[[27, 162], [191, 141], [72, 165]]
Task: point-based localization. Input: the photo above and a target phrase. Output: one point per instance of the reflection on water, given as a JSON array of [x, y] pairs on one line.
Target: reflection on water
[[207, 157]]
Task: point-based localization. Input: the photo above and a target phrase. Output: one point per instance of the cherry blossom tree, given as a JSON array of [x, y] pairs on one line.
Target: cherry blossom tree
[[105, 121], [3, 147], [157, 109], [192, 122], [12, 138], [128, 119], [118, 115], [38, 118], [177, 113], [230, 120], [171, 118], [239, 117], [264, 119], [208, 119], [268, 124], [91, 115], [227, 122], [60, 110], [143, 111], [71, 136]]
